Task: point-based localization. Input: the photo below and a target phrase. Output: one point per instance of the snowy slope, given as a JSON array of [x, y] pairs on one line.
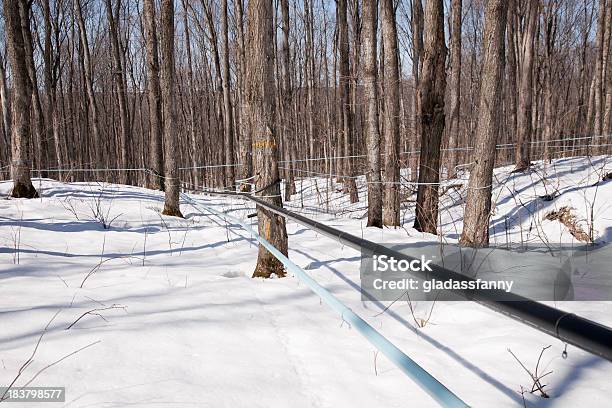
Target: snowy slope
[[184, 325]]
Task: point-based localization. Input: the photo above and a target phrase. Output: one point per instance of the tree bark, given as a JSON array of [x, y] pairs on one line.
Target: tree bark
[[417, 63], [370, 71], [511, 68], [345, 102], [119, 77], [525, 91], [260, 94], [22, 88], [50, 77], [7, 123], [40, 138], [455, 86], [596, 100], [550, 33], [171, 146], [195, 153], [431, 87], [391, 169], [245, 170], [478, 205], [155, 156], [607, 78], [287, 96], [227, 102], [93, 106]]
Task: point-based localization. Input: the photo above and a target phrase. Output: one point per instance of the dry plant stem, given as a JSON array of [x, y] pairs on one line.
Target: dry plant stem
[[537, 384], [95, 312]]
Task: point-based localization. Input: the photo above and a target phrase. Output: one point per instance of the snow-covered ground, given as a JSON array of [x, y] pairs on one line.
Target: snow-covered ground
[[177, 321]]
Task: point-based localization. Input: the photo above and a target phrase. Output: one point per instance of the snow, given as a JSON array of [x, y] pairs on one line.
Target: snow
[[189, 327]]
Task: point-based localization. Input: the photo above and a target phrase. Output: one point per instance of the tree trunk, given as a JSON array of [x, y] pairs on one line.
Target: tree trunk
[[287, 96], [417, 64], [171, 146], [478, 205], [155, 156], [607, 78], [550, 33], [245, 170], [431, 87], [309, 79], [260, 94], [455, 87], [370, 70], [40, 140], [53, 131], [596, 101], [227, 102], [391, 169], [93, 106], [119, 77], [22, 88], [525, 91], [7, 123], [511, 91], [195, 153], [345, 102]]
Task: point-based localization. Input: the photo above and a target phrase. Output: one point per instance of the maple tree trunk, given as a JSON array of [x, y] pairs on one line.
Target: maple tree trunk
[[370, 84], [432, 86], [345, 102], [22, 88], [171, 148], [227, 103], [455, 87], [155, 157], [478, 203], [391, 158], [525, 90], [260, 92]]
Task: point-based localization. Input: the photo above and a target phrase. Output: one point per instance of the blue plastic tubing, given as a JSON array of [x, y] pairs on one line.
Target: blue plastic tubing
[[426, 381]]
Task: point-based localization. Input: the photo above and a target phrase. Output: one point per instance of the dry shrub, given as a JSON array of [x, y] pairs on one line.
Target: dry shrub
[[565, 217]]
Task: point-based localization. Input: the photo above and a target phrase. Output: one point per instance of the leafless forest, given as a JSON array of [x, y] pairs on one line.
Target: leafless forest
[[238, 94]]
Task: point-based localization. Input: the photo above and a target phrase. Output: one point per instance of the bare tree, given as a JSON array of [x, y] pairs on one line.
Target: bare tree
[[596, 100], [286, 111], [51, 60], [478, 205], [227, 102], [155, 158], [431, 88], [370, 69], [455, 84], [607, 77], [119, 77], [245, 170], [391, 169], [511, 69], [195, 149], [171, 146], [40, 141], [20, 165], [525, 90], [88, 73], [261, 99], [7, 123], [417, 65], [345, 101]]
